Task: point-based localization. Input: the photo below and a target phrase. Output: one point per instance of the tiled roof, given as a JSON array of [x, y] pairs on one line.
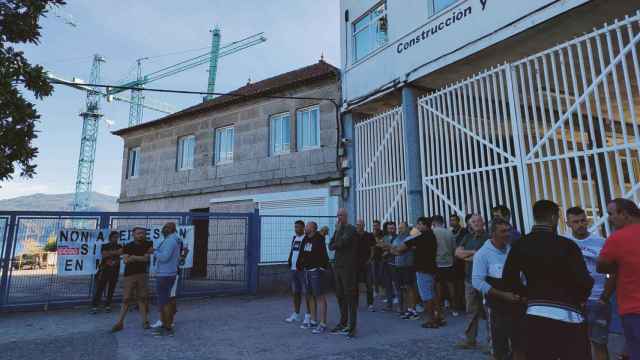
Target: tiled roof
[[318, 71]]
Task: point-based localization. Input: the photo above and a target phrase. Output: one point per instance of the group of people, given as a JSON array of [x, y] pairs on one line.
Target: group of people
[[136, 256], [544, 295]]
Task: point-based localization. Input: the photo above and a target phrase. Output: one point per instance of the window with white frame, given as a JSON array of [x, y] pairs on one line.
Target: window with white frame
[[308, 128], [280, 140], [133, 162], [224, 145], [370, 31], [186, 152], [438, 5]]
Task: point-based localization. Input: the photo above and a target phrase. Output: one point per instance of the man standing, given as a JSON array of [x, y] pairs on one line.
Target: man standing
[[444, 276], [315, 262], [621, 256], [366, 243], [557, 284], [503, 311], [426, 248], [346, 261], [471, 243], [108, 272], [503, 213], [376, 263], [387, 264], [297, 276], [167, 257], [136, 275], [598, 309]]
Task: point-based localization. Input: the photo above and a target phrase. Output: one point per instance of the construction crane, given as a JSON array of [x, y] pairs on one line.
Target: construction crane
[[211, 57], [91, 115], [90, 125]]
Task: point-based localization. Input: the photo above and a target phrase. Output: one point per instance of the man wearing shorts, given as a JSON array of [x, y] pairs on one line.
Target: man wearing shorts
[[297, 275], [136, 256], [315, 262], [167, 257], [426, 247]]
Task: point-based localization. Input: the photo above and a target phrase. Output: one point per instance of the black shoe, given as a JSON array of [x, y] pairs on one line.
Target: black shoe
[[338, 329], [93, 311], [107, 309]]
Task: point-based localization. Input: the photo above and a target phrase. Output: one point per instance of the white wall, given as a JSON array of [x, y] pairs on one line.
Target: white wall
[[419, 43]]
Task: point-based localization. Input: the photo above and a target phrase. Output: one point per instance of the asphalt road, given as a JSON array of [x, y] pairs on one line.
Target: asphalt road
[[225, 328]]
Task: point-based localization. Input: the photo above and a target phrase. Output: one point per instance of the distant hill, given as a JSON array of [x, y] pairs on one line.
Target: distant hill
[[58, 202]]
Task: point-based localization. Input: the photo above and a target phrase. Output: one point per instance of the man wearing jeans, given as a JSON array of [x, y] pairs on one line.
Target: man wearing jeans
[[471, 243], [598, 309], [621, 256], [167, 257]]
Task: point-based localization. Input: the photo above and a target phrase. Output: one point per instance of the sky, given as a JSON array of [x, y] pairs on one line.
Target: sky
[[298, 33]]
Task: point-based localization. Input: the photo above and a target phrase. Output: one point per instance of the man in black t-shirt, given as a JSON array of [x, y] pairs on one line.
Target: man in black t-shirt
[[426, 249], [108, 271], [136, 256]]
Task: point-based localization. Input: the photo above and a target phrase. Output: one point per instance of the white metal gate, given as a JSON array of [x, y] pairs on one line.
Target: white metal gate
[[560, 125], [381, 188]]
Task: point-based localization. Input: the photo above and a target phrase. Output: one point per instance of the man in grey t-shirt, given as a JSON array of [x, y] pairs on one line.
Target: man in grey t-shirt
[[444, 261]]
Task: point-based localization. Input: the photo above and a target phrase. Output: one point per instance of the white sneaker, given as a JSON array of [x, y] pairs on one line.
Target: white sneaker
[[371, 308], [455, 313], [157, 324], [307, 319], [396, 301], [308, 325], [293, 317]]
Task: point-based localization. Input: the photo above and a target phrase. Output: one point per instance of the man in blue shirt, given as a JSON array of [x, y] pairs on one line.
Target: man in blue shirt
[[503, 312], [167, 256]]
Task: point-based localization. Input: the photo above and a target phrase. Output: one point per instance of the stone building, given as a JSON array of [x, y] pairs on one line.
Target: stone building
[[241, 153]]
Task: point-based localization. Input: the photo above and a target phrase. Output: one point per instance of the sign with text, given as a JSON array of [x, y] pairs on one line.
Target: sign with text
[[79, 251]]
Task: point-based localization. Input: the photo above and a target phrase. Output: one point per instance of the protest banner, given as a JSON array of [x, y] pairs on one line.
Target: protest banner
[[79, 250]]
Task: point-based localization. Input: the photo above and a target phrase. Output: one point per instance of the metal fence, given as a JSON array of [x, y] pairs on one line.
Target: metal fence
[[226, 253], [277, 231]]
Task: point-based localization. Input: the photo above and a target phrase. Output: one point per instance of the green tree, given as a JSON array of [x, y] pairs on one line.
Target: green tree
[[19, 25], [52, 243]]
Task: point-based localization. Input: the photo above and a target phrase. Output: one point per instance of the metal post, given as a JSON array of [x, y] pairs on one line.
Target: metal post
[[253, 251], [412, 154], [348, 131]]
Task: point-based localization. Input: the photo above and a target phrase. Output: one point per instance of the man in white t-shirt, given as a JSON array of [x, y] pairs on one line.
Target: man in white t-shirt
[[598, 310], [297, 276]]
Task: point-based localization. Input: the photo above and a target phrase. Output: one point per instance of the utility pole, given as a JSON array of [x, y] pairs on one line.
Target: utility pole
[[90, 125], [213, 62]]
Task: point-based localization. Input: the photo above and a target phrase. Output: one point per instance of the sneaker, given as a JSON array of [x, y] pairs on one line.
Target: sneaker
[[455, 314], [93, 311], [146, 326], [345, 331], [351, 334], [320, 329], [385, 301], [117, 327], [107, 309], [371, 308], [170, 332], [338, 329], [159, 332], [308, 325], [307, 318], [157, 324], [396, 301], [293, 317], [406, 315], [414, 316]]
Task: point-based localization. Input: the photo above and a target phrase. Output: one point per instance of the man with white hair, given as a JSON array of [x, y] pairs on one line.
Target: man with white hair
[[345, 246]]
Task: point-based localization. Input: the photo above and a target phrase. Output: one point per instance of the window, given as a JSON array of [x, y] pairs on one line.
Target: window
[[133, 163], [280, 133], [308, 128], [439, 5], [370, 31], [186, 152], [224, 145]]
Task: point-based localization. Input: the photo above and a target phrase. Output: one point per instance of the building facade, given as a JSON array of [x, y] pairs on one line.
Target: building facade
[[235, 154], [487, 102]]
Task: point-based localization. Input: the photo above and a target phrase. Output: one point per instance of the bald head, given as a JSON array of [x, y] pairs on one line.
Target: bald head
[[342, 216]]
